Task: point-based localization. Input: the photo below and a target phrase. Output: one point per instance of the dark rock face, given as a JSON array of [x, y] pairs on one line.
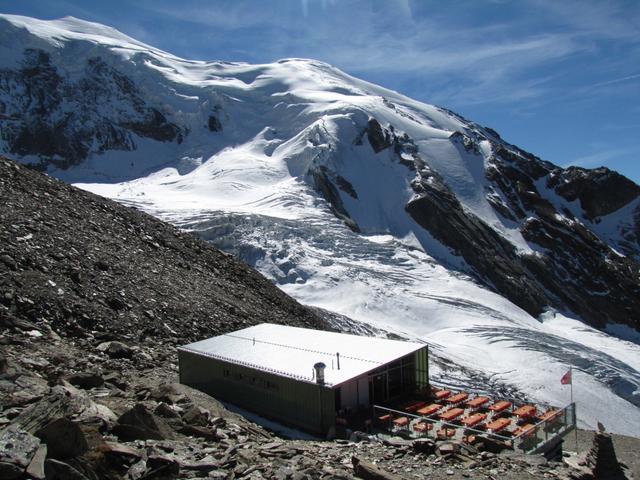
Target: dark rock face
[[86, 380], [493, 257], [573, 268], [379, 139], [214, 124], [45, 112], [324, 185], [600, 191]]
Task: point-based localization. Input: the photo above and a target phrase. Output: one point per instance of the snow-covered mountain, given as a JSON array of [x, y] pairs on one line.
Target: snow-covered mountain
[[353, 198]]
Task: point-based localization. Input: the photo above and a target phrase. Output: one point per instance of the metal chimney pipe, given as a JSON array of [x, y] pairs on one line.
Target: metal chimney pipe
[[338, 359], [319, 369]]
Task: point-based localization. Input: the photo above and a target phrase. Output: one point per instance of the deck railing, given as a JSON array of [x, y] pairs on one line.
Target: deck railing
[[534, 439]]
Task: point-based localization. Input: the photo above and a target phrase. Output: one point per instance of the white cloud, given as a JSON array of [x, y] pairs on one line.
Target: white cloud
[[600, 158]]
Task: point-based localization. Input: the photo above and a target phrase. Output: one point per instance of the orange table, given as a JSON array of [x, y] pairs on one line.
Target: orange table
[[477, 402], [473, 420], [414, 406], [525, 411], [422, 427], [500, 406], [498, 425], [451, 414], [429, 409], [458, 397], [401, 422], [525, 430], [440, 394], [549, 415]]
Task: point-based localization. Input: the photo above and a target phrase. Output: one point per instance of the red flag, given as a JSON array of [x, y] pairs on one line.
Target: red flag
[[566, 378]]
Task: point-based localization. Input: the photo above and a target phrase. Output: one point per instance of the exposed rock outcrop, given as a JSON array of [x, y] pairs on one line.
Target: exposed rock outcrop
[[45, 112]]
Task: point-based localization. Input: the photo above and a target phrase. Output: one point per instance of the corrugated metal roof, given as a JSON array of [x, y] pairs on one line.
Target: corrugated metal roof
[[292, 351]]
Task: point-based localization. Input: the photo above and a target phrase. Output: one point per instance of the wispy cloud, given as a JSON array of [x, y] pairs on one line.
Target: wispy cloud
[[616, 80], [600, 158]]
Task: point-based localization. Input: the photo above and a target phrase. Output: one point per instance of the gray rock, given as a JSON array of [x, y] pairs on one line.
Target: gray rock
[[139, 423], [64, 439], [35, 469], [197, 416], [86, 380], [17, 448], [424, 445], [116, 349], [57, 470], [167, 411], [200, 432]]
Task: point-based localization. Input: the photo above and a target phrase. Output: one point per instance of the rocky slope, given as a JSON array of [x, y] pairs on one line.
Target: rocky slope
[[80, 264], [77, 409]]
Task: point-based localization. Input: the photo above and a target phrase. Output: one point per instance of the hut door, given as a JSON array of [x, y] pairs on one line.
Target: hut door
[[338, 399], [378, 392]]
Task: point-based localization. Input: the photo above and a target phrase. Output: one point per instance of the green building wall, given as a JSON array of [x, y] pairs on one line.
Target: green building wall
[[305, 405]]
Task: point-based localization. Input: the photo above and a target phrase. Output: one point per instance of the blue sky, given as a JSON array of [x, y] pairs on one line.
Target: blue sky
[[560, 79]]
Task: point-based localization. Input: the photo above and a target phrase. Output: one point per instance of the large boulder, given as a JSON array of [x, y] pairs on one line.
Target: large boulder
[[64, 439], [17, 448], [58, 470], [139, 423], [116, 349], [86, 380]]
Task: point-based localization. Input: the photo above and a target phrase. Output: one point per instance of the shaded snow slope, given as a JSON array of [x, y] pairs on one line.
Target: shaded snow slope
[[308, 174]]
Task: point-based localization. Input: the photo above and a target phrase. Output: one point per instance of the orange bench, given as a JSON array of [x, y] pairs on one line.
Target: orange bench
[[457, 398], [401, 422], [451, 414], [444, 433], [498, 425], [422, 427], [473, 420], [500, 406], [477, 402], [414, 406], [441, 394], [525, 411], [525, 430], [429, 409]]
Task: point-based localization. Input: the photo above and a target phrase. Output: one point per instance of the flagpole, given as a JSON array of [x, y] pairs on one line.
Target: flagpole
[[574, 407], [571, 381]]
